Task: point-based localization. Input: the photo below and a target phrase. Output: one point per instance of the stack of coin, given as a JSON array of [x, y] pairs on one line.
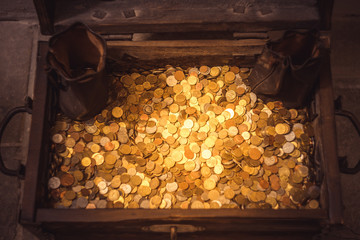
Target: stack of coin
[[184, 138]]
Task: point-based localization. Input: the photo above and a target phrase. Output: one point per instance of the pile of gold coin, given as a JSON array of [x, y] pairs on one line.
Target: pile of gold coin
[[184, 138]]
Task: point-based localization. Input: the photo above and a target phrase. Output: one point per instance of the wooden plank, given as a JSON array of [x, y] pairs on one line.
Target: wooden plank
[[117, 215], [330, 156], [150, 54], [176, 11], [185, 48], [36, 139], [116, 27], [190, 43], [115, 223], [45, 11], [110, 17], [191, 236], [325, 11]]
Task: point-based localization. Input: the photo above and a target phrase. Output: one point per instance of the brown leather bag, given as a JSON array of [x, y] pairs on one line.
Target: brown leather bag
[[76, 60], [288, 69]]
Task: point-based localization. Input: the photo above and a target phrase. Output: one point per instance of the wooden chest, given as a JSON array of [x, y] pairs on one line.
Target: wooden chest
[[191, 33]]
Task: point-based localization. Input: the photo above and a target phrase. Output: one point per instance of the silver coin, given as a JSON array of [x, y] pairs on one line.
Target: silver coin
[[54, 183], [101, 204], [81, 202]]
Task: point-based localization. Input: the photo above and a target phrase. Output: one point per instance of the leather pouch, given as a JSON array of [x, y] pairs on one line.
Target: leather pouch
[[76, 61], [288, 69]]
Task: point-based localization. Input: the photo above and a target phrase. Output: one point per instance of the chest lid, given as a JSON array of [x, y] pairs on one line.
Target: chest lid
[[164, 16]]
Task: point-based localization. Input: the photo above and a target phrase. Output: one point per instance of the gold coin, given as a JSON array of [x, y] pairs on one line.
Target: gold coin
[[233, 131], [189, 165], [282, 128], [113, 195], [183, 185], [229, 193], [214, 194], [115, 182], [188, 123], [70, 142], [234, 69], [125, 149], [205, 171], [314, 204], [218, 169], [229, 77], [211, 162], [95, 148], [206, 154], [78, 175], [144, 190], [169, 162], [209, 184], [156, 200], [210, 142], [178, 88], [171, 187], [177, 156], [136, 180], [171, 81], [214, 71], [185, 132], [110, 159], [99, 159], [154, 183], [70, 195], [147, 85], [197, 205], [171, 128], [215, 204], [117, 112], [192, 80], [254, 153], [205, 70], [179, 75], [86, 161]]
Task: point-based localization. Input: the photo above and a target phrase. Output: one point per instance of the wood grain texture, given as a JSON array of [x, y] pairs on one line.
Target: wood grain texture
[[115, 215], [328, 135], [36, 142], [211, 224], [185, 52], [325, 11], [186, 48], [112, 17], [45, 12]]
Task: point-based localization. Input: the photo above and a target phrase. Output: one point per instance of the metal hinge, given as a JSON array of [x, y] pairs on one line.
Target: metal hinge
[[325, 39]]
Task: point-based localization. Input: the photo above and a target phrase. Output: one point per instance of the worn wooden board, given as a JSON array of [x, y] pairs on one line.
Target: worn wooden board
[[38, 147], [209, 224], [179, 16], [117, 215], [185, 52]]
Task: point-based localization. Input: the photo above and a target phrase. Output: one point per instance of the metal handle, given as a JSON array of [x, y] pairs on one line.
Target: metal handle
[[20, 172], [343, 163]]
